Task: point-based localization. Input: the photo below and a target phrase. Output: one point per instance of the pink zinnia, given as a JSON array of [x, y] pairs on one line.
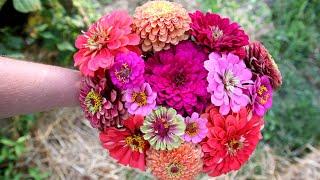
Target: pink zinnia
[[108, 36], [216, 33], [140, 100], [261, 95], [196, 128], [179, 78], [227, 77], [127, 71]]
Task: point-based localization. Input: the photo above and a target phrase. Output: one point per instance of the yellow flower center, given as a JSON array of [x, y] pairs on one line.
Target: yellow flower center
[[217, 33], [264, 96], [159, 8], [93, 101], [98, 38], [136, 143], [234, 146], [192, 129], [175, 170], [140, 98]]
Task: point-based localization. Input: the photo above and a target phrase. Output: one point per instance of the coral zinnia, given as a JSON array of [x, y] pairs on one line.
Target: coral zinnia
[[103, 106], [261, 94], [196, 128], [127, 71], [227, 77], [217, 33], [140, 100], [261, 62], [97, 47], [163, 128], [179, 78], [127, 145], [160, 24], [230, 141], [181, 163]]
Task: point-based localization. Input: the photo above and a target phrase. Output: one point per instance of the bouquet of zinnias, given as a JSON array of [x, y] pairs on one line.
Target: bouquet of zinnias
[[175, 93]]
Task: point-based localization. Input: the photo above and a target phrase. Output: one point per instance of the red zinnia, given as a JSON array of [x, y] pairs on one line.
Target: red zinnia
[[230, 141], [217, 33], [127, 145]]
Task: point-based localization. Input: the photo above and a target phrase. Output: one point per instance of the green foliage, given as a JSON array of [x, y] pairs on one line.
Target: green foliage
[[294, 43], [10, 44], [2, 3], [26, 6], [13, 140]]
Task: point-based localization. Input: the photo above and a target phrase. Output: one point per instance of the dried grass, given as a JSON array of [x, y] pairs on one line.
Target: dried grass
[[66, 146]]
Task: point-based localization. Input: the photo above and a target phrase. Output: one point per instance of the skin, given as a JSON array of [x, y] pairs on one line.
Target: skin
[[27, 87]]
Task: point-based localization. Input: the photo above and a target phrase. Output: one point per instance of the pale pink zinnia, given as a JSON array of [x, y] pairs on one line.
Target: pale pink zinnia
[[108, 36], [140, 100], [228, 77], [196, 128]]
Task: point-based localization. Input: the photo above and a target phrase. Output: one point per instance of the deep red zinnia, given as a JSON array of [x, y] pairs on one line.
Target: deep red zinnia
[[127, 145], [218, 34], [230, 141]]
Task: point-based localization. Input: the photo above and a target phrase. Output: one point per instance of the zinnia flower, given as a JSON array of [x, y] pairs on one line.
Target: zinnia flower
[[127, 71], [127, 145], [227, 77], [141, 100], [163, 128], [261, 95], [91, 100], [179, 78], [108, 36], [261, 62], [230, 141], [102, 105], [196, 128], [181, 163], [160, 24], [217, 33]]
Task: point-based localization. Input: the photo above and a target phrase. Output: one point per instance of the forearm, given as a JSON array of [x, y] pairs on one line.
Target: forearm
[[27, 87]]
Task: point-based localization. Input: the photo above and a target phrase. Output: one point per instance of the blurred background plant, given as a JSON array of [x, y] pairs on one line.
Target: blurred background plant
[[45, 31]]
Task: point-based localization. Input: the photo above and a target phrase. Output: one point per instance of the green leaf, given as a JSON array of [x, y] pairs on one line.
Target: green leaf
[[47, 35], [65, 46], [2, 3], [19, 149], [26, 6], [8, 142]]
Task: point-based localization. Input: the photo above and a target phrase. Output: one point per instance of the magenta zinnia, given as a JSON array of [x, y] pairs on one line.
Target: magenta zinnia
[[179, 78], [127, 71], [261, 95], [228, 77], [216, 33], [108, 36]]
